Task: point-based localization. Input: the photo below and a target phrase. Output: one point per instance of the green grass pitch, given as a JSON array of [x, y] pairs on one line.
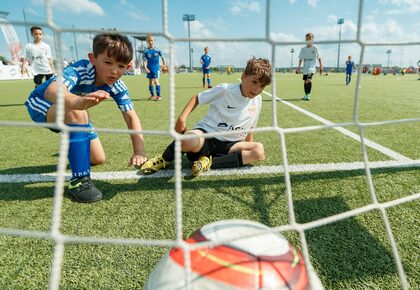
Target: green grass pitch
[[349, 254]]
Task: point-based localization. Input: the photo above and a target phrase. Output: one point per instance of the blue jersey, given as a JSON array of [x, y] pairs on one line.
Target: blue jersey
[[79, 78], [206, 59], [349, 66], [152, 58]]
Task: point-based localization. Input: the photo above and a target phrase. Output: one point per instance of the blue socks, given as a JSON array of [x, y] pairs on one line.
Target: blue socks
[[204, 81], [158, 90], [79, 152], [208, 81], [152, 93]]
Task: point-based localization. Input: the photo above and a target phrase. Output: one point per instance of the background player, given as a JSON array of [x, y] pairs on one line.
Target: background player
[[349, 69], [205, 60], [86, 83], [232, 108], [39, 55], [151, 65], [309, 54]]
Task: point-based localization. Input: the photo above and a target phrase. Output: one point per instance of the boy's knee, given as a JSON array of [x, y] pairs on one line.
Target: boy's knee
[[97, 160]]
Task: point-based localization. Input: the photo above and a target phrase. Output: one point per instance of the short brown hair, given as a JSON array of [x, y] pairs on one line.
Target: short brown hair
[[310, 34], [260, 67], [115, 45], [33, 28]]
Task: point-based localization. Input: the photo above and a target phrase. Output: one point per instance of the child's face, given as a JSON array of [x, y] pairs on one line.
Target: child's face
[[107, 69], [37, 34], [309, 40], [251, 86], [151, 42], [206, 50]]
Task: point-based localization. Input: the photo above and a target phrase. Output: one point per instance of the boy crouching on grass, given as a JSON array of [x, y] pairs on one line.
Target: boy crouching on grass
[[86, 83], [232, 107]]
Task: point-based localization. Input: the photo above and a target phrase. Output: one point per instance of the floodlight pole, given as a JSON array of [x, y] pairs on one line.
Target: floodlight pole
[[189, 18], [26, 25], [340, 22], [292, 51], [388, 51]]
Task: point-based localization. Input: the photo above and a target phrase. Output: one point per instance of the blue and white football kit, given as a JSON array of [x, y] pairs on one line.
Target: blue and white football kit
[[79, 78], [206, 60], [349, 70], [152, 58]]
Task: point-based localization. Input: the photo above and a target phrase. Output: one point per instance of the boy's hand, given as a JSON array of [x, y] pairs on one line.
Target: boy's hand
[[93, 98], [137, 159], [180, 126], [147, 70], [298, 70]]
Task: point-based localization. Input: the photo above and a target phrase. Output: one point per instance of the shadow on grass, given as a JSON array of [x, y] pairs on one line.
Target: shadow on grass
[[12, 105], [345, 249]]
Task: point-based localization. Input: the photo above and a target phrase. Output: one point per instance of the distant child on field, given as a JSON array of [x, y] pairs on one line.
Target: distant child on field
[[232, 108], [86, 83], [205, 60], [349, 69], [39, 56], [309, 54], [152, 66]]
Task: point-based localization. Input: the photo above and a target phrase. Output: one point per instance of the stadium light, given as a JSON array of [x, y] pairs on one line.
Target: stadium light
[[340, 22], [388, 51], [189, 18]]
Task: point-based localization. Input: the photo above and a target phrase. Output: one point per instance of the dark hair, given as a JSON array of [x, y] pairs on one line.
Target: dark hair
[[115, 45], [260, 67], [309, 34], [35, 28]]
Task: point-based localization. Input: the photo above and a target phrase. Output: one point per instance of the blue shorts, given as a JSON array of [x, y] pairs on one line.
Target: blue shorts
[[38, 108], [153, 75], [206, 70]]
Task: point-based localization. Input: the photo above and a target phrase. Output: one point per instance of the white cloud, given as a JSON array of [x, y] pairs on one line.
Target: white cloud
[[75, 6], [402, 6], [199, 29], [240, 7], [292, 1], [330, 31], [279, 36], [32, 11], [312, 3], [137, 15]]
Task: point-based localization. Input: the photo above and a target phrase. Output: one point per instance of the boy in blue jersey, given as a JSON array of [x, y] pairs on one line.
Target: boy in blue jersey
[[349, 69], [205, 60], [85, 84], [233, 108], [151, 65], [309, 54]]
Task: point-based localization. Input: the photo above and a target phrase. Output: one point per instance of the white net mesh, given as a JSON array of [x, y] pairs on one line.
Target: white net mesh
[[60, 239]]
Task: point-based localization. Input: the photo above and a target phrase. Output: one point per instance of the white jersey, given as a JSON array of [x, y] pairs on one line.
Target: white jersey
[[229, 111], [309, 56], [38, 55]]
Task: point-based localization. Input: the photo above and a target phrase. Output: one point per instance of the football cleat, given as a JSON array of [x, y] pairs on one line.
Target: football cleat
[[151, 98], [83, 190], [154, 165], [158, 98], [209, 86], [201, 165]]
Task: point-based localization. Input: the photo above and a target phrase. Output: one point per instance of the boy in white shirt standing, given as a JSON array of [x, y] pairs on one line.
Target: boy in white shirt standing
[[309, 54], [39, 55]]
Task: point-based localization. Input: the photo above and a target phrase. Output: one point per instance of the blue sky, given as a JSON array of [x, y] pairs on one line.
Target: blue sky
[[383, 20]]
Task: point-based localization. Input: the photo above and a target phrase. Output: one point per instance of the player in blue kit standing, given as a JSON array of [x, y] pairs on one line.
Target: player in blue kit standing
[[349, 69], [85, 84], [309, 54], [205, 60], [151, 64]]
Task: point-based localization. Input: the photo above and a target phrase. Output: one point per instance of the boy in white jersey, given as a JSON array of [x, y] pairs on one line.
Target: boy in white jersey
[[39, 56], [85, 84], [232, 108], [309, 54]]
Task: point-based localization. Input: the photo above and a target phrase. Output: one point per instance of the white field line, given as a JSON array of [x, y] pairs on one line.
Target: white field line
[[384, 150], [257, 170]]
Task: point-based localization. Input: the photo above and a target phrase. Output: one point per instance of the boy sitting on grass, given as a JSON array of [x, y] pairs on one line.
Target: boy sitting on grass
[[232, 107]]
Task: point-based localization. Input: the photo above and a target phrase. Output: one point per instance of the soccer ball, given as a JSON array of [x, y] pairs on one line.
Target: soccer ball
[[265, 261]]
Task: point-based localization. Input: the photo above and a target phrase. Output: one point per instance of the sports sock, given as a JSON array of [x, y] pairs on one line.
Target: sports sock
[[169, 153], [309, 88], [204, 81], [208, 81], [306, 88], [158, 90], [79, 152], [152, 93], [228, 161]]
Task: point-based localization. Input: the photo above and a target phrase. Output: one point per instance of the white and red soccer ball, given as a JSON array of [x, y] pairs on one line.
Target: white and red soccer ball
[[264, 261]]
